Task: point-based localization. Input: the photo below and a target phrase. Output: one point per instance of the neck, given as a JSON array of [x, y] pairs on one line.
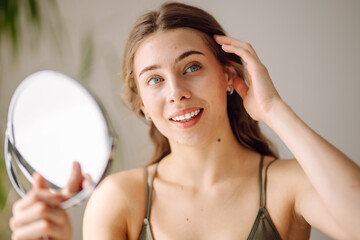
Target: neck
[[204, 165]]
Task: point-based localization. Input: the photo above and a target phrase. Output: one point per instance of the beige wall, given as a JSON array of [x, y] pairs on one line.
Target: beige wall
[[311, 48]]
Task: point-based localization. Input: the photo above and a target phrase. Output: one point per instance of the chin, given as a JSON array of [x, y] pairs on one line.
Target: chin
[[189, 141]]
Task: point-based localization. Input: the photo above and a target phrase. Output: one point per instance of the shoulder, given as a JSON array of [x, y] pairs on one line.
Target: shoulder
[[122, 182], [289, 174], [119, 201], [123, 186], [288, 181], [285, 184], [289, 168]]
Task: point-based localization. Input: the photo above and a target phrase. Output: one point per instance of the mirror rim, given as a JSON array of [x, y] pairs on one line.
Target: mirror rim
[[12, 155]]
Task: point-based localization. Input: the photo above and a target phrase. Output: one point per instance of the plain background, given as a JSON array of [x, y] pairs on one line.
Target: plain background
[[310, 47]]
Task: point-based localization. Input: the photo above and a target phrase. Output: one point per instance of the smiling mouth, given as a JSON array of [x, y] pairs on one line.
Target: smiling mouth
[[188, 116]]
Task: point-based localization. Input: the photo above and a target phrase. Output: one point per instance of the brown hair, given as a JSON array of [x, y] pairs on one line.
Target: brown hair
[[177, 15]]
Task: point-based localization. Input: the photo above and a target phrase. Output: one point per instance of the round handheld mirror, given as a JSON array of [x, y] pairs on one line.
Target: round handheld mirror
[[54, 121]]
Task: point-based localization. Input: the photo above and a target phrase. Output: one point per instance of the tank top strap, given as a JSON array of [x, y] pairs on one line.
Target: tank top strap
[[148, 192], [260, 178], [265, 182]]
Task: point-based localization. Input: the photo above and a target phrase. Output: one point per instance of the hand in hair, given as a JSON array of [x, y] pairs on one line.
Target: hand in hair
[[260, 95]]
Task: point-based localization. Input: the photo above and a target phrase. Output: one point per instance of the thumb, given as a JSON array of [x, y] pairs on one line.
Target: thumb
[[87, 181], [39, 182], [74, 185]]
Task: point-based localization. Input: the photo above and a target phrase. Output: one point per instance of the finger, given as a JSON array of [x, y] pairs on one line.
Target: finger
[[87, 181], [241, 87], [221, 39], [237, 43], [35, 212], [74, 184], [52, 199], [38, 229], [247, 57], [39, 182]]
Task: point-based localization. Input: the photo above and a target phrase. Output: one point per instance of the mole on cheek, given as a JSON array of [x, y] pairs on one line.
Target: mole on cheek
[[219, 140]]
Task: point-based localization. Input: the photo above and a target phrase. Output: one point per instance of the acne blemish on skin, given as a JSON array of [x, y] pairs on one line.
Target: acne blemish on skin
[[219, 140]]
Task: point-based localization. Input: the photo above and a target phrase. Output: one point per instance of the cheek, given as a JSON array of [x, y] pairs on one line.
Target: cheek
[[144, 101], [219, 89], [152, 103], [148, 107], [216, 82], [220, 96], [222, 82]]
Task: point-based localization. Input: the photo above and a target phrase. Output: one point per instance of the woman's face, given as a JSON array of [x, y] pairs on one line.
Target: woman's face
[[182, 86]]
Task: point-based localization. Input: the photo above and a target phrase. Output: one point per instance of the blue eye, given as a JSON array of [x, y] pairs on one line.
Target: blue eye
[[193, 68], [154, 80]]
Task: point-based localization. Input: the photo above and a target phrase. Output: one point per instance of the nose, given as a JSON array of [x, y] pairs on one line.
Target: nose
[[178, 90]]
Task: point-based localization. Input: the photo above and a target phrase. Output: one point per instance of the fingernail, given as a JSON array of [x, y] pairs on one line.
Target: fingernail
[[87, 181], [35, 175]]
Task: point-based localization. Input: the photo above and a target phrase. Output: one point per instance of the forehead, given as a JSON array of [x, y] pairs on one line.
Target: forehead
[[165, 47]]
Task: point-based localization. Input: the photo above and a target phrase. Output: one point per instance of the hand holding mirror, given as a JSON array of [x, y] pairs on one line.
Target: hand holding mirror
[[53, 121]]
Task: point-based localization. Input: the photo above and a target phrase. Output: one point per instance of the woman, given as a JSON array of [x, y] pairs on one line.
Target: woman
[[210, 176]]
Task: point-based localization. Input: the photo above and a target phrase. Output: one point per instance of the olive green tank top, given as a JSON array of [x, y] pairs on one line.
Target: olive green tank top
[[263, 227]]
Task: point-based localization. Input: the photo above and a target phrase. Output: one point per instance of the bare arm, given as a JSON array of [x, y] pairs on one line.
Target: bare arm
[[334, 178]]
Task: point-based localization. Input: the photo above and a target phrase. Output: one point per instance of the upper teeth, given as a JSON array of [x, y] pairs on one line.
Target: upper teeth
[[186, 116]]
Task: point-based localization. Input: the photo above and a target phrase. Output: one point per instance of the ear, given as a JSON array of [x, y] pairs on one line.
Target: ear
[[230, 74], [238, 83]]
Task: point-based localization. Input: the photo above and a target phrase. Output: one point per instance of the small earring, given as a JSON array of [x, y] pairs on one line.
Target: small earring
[[147, 117], [231, 91]]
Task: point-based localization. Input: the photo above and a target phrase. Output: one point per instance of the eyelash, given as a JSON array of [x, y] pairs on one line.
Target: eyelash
[[191, 66], [148, 82], [151, 79]]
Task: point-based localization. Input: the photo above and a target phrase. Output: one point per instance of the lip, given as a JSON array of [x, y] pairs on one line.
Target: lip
[[184, 111], [188, 124]]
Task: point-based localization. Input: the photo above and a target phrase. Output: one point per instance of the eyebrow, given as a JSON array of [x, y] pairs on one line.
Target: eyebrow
[[186, 54], [178, 59], [149, 68]]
